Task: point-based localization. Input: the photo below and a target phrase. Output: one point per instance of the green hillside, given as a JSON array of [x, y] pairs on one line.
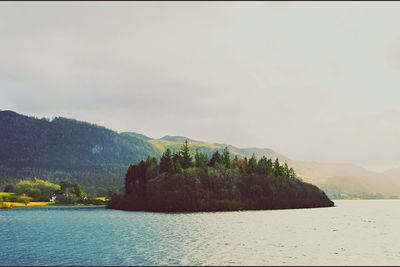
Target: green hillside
[[96, 157], [92, 155], [66, 148], [175, 142]]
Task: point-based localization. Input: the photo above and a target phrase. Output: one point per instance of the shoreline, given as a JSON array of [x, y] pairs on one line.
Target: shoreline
[[11, 205], [218, 211]]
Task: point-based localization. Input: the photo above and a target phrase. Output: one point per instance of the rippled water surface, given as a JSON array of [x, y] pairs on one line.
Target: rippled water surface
[[354, 233]]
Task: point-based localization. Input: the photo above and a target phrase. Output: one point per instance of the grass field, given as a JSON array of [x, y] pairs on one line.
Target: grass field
[[12, 204], [20, 205]]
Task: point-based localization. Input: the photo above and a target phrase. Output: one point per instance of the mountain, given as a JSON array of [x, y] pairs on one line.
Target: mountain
[[98, 157], [66, 148], [175, 142], [137, 135], [348, 180], [64, 143]]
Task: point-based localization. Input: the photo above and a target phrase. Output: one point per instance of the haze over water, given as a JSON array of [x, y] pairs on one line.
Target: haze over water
[[361, 232]]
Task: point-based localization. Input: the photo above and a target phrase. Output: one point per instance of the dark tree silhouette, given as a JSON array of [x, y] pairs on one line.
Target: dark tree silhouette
[[200, 159], [277, 168], [215, 159], [176, 162], [226, 158], [252, 165], [141, 172], [187, 160], [166, 161], [130, 179], [262, 166], [152, 167]]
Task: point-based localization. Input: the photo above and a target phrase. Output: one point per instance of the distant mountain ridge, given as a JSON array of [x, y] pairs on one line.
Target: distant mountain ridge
[[97, 157]]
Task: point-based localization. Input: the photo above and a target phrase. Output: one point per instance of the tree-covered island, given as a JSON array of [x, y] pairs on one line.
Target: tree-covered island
[[183, 181]]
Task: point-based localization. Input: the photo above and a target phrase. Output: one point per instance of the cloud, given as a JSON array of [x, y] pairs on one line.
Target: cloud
[[310, 80]]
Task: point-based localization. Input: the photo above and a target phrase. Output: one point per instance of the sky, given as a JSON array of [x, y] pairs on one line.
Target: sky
[[315, 81]]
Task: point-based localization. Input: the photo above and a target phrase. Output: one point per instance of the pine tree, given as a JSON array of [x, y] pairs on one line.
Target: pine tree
[[129, 179], [177, 162], [245, 166], [226, 159], [187, 160], [285, 169], [200, 159], [166, 162], [152, 167], [142, 177], [270, 167], [235, 162], [277, 169], [215, 159], [252, 165], [141, 172], [262, 166]]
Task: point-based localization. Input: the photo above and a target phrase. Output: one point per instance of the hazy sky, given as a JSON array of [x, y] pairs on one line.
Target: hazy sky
[[314, 81]]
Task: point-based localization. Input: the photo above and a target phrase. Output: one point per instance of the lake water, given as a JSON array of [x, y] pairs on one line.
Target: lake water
[[358, 232]]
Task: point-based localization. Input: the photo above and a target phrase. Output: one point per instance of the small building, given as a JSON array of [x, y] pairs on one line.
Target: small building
[[57, 197]]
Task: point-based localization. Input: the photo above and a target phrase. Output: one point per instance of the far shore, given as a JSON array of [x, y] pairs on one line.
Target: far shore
[[9, 205]]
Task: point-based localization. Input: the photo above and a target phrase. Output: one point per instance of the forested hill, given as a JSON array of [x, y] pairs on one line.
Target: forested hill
[[175, 143], [66, 148], [96, 157], [92, 155]]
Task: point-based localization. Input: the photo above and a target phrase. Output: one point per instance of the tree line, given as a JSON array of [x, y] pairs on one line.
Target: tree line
[[176, 162], [185, 181]]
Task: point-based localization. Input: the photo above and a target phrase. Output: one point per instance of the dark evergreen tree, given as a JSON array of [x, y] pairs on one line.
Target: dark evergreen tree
[[166, 161], [235, 163], [152, 167], [285, 170], [177, 162], [215, 159], [201, 159], [130, 179], [141, 172], [262, 166], [244, 166], [252, 165], [187, 160], [226, 158], [277, 168], [270, 167]]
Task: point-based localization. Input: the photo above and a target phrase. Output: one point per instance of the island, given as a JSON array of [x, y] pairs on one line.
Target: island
[[191, 181]]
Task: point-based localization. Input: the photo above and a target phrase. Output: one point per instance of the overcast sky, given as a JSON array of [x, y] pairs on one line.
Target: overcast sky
[[313, 81]]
